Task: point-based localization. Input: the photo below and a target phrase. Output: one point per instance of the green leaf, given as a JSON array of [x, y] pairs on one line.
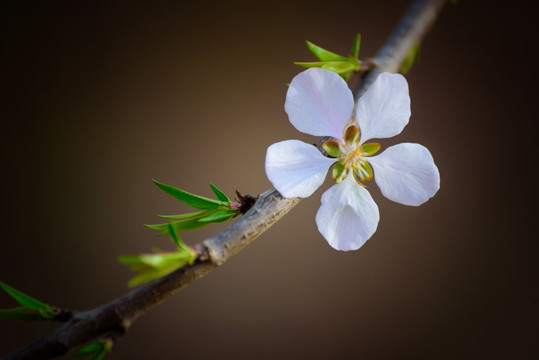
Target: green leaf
[[323, 54], [174, 235], [355, 46], [153, 266], [197, 221], [23, 299], [220, 216], [410, 59], [180, 216], [198, 202], [97, 349], [340, 66], [181, 225], [220, 195], [25, 313], [310, 64]]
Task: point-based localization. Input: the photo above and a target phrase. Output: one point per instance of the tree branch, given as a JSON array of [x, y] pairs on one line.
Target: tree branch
[[116, 316]]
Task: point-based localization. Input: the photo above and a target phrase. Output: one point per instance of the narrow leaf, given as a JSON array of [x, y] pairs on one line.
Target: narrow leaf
[[25, 313], [355, 46], [24, 299], [198, 202], [188, 224], [323, 54], [97, 349], [153, 266], [173, 234], [220, 195], [219, 217], [410, 59], [310, 64], [181, 225], [180, 216], [340, 66]]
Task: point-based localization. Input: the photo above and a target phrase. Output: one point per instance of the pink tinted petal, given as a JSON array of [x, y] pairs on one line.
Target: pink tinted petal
[[319, 102], [348, 216], [296, 169], [384, 110], [406, 173]]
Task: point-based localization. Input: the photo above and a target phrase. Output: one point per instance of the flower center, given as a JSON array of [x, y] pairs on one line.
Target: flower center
[[351, 156]]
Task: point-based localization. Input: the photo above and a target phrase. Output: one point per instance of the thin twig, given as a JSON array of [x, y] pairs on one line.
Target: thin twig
[[116, 316]]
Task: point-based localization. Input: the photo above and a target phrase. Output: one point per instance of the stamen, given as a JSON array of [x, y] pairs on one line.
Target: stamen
[[352, 157]]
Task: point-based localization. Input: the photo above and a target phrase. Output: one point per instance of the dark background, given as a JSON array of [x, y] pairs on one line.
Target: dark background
[[99, 98]]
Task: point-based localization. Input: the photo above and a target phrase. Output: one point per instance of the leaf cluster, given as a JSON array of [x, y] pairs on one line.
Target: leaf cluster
[[345, 66], [153, 266], [212, 211], [30, 309]]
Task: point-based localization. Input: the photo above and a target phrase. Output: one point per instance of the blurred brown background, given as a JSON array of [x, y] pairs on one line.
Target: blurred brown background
[[101, 98]]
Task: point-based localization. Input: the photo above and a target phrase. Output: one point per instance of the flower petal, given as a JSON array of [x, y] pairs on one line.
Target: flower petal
[[348, 216], [406, 173], [319, 102], [296, 169], [384, 110]]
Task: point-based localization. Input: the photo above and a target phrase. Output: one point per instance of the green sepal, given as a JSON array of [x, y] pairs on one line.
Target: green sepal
[[323, 54], [30, 309], [198, 202], [331, 147], [370, 149], [97, 349], [220, 195]]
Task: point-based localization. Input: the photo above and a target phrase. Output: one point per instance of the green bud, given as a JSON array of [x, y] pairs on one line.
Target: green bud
[[339, 172], [331, 147], [370, 149], [351, 135]]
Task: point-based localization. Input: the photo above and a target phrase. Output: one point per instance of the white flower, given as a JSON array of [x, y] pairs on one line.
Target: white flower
[[318, 102]]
